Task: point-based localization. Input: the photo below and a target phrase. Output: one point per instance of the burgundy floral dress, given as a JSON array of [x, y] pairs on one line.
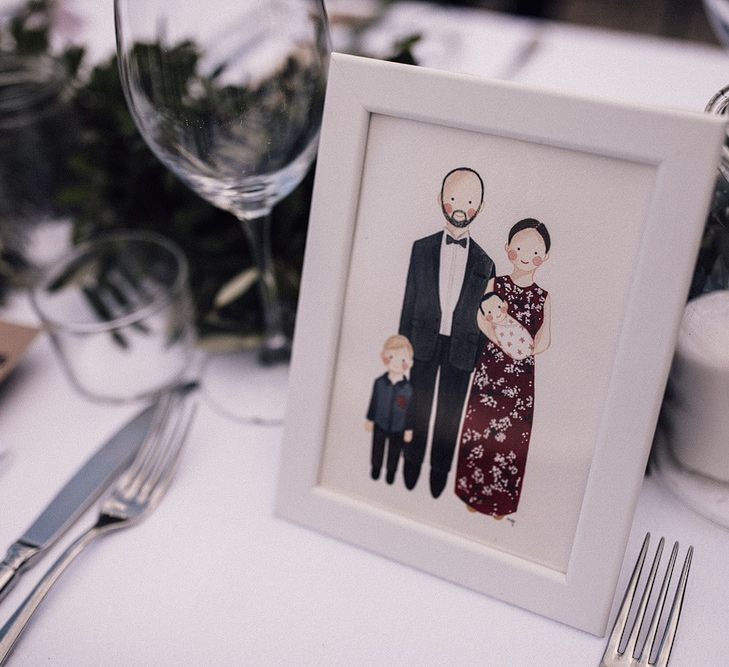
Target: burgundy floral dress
[[494, 441]]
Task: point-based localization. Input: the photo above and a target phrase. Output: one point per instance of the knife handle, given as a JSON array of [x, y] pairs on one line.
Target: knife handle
[[13, 628], [16, 560]]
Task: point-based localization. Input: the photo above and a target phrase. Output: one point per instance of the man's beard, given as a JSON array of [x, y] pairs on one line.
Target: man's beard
[[458, 223]]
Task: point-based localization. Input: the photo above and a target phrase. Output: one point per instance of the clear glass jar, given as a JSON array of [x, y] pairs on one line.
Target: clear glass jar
[[36, 125], [37, 132]]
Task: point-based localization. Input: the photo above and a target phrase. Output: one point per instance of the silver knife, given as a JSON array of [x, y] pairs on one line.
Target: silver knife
[[74, 498]]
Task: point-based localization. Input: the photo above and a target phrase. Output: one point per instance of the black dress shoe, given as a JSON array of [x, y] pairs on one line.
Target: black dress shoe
[[438, 479], [375, 473], [410, 473], [390, 476]]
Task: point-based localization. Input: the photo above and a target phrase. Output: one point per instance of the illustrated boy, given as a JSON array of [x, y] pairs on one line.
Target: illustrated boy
[[388, 414], [447, 275]]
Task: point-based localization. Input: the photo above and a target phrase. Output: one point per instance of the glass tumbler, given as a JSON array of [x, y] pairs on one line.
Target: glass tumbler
[[119, 313]]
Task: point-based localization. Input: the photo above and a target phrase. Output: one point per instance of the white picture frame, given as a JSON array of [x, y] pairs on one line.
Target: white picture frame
[[667, 159]]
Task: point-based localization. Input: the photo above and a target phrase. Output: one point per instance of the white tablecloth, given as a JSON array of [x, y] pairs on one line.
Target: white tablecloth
[[214, 578]]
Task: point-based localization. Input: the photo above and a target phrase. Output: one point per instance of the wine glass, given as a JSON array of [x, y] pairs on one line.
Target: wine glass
[[229, 96]]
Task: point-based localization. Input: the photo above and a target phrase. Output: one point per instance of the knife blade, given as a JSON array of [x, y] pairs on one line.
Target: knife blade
[[74, 498]]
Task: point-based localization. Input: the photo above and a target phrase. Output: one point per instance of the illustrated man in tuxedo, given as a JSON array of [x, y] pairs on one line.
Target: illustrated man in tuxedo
[[447, 276]]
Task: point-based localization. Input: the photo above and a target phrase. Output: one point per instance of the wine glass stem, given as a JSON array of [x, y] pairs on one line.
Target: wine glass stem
[[276, 344]]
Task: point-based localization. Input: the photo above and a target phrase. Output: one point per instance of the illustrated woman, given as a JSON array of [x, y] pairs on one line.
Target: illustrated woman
[[497, 428]]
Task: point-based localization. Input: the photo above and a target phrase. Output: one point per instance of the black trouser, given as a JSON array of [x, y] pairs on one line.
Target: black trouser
[[452, 389], [380, 437]]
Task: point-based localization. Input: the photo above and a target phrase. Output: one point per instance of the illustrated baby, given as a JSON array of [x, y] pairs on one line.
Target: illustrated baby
[[388, 416], [513, 338]]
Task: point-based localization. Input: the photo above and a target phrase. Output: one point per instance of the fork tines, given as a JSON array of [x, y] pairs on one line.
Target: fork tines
[[655, 644]]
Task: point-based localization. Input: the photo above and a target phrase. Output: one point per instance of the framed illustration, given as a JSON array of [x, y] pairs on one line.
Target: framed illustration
[[493, 282]]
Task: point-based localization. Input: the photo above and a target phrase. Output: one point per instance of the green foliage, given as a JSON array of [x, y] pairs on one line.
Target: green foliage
[[29, 27], [105, 177]]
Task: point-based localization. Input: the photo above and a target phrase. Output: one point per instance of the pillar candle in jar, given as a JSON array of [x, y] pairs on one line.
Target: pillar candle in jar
[[696, 409]]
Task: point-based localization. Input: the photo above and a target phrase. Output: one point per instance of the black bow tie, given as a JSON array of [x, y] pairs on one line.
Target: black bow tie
[[461, 242]]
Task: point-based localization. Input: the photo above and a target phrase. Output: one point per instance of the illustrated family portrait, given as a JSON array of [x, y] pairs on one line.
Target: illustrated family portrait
[[486, 286], [460, 371]]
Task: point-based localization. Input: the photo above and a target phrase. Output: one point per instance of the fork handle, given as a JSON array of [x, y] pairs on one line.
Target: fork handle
[[11, 631]]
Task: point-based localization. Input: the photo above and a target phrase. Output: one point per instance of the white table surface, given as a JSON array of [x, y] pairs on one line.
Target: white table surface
[[214, 578]]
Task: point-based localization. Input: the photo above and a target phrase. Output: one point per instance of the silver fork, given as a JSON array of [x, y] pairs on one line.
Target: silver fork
[[613, 656], [137, 491]]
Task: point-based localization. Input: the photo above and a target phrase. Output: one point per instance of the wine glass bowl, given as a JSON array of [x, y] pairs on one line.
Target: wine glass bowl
[[229, 96]]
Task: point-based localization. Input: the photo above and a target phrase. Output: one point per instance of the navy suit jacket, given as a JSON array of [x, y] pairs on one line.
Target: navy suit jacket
[[421, 314]]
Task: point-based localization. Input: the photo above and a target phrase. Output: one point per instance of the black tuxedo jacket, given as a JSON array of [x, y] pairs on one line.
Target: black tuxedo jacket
[[421, 314]]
